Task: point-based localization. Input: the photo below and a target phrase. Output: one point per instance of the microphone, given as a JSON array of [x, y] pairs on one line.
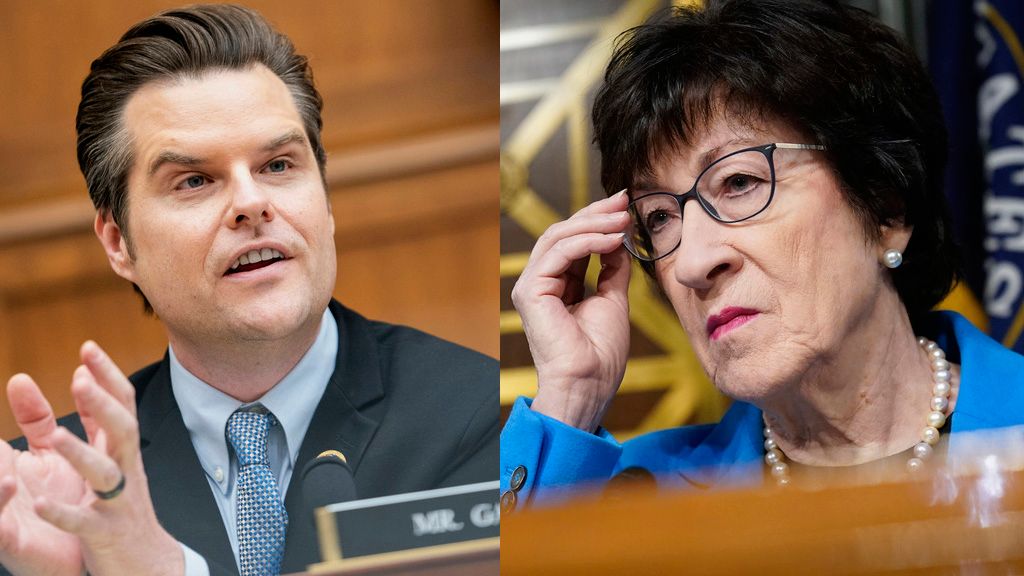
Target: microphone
[[327, 479]]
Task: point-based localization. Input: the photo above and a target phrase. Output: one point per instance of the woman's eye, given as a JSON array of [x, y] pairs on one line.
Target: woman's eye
[[277, 166], [657, 219], [741, 183]]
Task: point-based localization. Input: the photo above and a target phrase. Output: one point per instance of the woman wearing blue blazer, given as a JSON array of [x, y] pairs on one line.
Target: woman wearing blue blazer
[[777, 169]]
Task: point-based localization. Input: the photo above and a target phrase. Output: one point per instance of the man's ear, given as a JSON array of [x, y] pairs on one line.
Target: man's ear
[[115, 245]]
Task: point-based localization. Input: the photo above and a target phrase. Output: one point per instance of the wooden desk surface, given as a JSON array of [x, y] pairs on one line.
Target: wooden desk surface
[[972, 524]]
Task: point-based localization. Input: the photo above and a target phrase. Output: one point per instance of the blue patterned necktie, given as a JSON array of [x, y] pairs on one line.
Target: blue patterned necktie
[[261, 516]]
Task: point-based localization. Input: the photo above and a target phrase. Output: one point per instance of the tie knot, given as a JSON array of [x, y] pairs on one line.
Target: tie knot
[[247, 433]]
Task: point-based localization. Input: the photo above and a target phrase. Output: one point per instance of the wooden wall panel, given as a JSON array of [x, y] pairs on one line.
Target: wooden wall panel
[[436, 268], [48, 331]]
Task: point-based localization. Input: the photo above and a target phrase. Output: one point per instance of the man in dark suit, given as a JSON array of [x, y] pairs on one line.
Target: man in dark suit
[[199, 138]]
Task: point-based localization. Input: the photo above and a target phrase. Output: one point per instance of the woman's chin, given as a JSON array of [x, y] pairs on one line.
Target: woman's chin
[[745, 383]]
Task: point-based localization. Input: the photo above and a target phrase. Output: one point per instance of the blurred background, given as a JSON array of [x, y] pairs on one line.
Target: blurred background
[[553, 54], [411, 131]]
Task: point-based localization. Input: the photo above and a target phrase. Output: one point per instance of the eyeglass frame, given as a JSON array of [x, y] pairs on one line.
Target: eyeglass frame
[[768, 150]]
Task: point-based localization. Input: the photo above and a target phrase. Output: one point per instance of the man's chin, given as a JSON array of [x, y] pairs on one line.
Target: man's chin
[[277, 321]]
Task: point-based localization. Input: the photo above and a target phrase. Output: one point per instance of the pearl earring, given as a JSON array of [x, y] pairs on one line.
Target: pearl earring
[[892, 258]]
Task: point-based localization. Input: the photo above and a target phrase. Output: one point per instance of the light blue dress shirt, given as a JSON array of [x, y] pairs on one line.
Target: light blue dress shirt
[[205, 411]]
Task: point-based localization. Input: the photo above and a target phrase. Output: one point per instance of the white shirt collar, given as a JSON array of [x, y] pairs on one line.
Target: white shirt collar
[[293, 400]]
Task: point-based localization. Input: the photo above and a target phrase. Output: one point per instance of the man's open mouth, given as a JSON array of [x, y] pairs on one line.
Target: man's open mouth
[[255, 259]]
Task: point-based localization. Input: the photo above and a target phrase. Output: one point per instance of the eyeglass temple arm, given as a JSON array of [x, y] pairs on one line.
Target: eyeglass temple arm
[[799, 146]]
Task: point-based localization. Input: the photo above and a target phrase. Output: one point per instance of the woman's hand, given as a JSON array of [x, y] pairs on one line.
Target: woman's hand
[[579, 345]]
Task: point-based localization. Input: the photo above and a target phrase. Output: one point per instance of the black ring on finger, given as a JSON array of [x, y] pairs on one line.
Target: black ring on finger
[[111, 494]]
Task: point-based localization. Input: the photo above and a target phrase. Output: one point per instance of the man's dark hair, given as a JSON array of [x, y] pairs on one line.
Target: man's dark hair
[[832, 72], [180, 43]]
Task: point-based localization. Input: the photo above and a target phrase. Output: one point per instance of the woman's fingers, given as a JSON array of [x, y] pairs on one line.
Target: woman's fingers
[[559, 260], [604, 222], [574, 250], [614, 203], [613, 282]]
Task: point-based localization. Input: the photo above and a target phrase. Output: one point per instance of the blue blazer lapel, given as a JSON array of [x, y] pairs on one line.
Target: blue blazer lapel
[[731, 453], [991, 392]]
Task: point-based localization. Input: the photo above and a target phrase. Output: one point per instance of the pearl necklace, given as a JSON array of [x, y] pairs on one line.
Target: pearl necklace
[[942, 377]]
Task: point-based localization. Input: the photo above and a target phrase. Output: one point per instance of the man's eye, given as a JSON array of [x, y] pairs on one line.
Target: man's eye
[[277, 166], [193, 182]]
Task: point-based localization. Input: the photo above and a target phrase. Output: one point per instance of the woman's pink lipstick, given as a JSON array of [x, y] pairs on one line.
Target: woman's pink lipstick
[[729, 319]]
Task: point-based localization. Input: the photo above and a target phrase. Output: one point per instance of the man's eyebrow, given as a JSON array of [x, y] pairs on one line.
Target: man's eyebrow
[[295, 136], [168, 157]]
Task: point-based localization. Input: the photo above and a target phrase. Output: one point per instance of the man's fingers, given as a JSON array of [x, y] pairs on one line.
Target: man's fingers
[[116, 423], [108, 375], [91, 429], [31, 410], [67, 517], [98, 469], [8, 487]]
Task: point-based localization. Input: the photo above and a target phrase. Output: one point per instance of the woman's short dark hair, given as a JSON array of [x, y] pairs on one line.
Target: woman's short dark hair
[[831, 71], [178, 43]]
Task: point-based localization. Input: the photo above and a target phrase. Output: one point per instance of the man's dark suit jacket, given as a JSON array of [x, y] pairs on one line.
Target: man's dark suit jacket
[[409, 411]]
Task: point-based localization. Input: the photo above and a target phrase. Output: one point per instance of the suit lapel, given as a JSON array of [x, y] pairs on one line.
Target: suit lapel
[[177, 484], [337, 424]]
